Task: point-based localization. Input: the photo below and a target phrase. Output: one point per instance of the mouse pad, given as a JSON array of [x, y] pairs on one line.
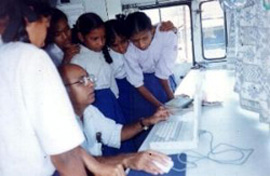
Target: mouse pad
[[178, 168]]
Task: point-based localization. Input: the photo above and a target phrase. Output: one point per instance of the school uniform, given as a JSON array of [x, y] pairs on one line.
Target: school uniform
[[55, 53], [98, 129], [106, 90], [146, 67], [34, 105], [126, 90]]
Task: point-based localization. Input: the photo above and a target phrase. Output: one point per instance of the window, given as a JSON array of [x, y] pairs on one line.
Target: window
[[179, 15], [153, 14], [213, 27]]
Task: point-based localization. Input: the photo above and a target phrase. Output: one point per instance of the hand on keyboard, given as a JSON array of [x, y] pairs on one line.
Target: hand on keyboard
[[147, 161], [161, 114]]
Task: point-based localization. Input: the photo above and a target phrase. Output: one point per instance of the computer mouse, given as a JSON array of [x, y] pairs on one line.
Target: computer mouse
[[164, 168]]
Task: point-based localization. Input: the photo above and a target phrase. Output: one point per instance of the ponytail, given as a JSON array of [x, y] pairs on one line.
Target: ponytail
[[107, 55]]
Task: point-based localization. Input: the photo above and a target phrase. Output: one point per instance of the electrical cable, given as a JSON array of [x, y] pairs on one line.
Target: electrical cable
[[244, 154]]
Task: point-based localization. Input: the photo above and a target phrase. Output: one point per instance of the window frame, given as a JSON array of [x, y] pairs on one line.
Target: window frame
[[219, 59], [171, 4]]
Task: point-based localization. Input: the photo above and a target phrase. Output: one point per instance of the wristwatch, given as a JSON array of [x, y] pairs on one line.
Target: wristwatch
[[144, 127]]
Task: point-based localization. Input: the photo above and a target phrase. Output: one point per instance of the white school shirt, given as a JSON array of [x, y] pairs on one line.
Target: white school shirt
[[36, 116], [158, 58], [94, 63], [94, 121], [118, 64], [55, 53]]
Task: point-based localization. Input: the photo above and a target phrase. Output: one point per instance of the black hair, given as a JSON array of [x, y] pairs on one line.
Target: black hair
[[114, 28], [137, 22], [107, 55], [56, 16], [5, 5], [86, 23], [4, 17], [31, 10]]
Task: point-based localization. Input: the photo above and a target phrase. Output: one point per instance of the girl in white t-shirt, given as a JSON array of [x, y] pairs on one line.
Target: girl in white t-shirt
[[117, 43], [115, 30], [90, 32], [150, 58]]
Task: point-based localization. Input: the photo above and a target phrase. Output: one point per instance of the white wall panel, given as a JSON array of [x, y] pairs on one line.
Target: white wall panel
[[114, 7], [96, 6]]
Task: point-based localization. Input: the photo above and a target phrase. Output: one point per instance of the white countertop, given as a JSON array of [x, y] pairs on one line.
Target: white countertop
[[229, 124]]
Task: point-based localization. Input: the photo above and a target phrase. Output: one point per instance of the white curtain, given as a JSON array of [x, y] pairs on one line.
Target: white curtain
[[249, 55]]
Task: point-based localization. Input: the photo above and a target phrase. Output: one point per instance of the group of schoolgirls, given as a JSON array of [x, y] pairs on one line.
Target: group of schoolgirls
[[131, 59]]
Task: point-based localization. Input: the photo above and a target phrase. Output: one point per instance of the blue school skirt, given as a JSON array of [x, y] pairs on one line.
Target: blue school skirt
[[126, 102], [144, 108], [56, 173], [107, 103]]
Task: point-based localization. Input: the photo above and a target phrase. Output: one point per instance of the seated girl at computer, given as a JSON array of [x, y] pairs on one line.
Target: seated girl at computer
[[59, 45], [90, 31], [117, 43]]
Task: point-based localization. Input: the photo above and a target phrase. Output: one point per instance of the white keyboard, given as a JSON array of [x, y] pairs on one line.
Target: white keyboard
[[178, 133], [173, 135]]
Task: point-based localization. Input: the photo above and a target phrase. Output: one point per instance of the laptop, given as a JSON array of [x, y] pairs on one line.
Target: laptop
[[181, 131]]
